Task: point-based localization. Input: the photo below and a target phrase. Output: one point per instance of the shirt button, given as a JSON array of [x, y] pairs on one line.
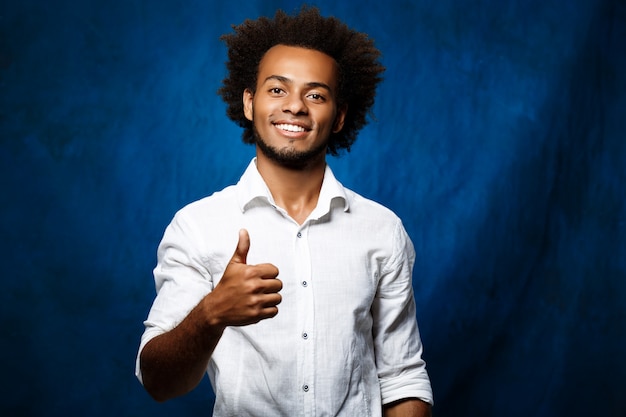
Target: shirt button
[[305, 388], [305, 335], [304, 283], [299, 234]]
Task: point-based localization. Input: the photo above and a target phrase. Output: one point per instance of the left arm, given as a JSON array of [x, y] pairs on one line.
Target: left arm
[[405, 385], [410, 407]]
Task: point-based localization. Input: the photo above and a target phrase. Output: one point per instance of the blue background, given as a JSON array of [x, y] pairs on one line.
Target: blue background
[[499, 136]]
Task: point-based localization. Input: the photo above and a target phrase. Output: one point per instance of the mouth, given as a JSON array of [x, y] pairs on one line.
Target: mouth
[[288, 127]]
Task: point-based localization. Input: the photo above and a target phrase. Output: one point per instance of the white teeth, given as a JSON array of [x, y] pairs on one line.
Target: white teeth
[[290, 128]]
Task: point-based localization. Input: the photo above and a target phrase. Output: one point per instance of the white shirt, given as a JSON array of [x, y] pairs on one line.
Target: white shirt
[[345, 339]]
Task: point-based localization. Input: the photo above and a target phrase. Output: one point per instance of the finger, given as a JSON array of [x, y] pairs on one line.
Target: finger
[[269, 312], [270, 286], [266, 271], [243, 246], [273, 300]]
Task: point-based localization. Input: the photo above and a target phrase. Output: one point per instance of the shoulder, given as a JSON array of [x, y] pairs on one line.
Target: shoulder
[[207, 225], [366, 207], [378, 220], [216, 213], [216, 204]]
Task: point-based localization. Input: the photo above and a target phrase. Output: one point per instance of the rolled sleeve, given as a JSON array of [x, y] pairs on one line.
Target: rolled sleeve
[[398, 347], [181, 281]]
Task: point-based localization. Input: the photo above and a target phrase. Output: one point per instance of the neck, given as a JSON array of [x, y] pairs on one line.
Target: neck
[[295, 190]]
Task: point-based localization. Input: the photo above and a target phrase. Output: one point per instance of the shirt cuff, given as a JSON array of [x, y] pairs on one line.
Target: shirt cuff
[[403, 387]]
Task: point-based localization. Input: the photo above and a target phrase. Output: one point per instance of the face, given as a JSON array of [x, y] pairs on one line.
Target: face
[[294, 108]]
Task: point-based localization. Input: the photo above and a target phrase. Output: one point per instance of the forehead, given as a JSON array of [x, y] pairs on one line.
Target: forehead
[[298, 65]]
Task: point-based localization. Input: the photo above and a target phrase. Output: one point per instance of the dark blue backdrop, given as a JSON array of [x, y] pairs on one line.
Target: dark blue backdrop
[[499, 137]]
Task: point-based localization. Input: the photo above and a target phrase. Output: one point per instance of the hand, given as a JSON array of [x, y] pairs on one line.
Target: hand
[[246, 294]]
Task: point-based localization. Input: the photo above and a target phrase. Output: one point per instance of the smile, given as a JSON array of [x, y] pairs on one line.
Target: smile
[[290, 128]]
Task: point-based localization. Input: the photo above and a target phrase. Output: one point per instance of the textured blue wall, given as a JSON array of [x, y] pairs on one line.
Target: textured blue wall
[[499, 137]]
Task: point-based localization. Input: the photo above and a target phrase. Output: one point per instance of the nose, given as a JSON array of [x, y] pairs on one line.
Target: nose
[[295, 104]]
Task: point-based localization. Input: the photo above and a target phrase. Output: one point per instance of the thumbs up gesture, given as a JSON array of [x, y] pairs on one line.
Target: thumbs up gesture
[[246, 294]]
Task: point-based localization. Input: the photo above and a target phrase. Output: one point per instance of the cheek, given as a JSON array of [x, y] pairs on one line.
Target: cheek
[[261, 109], [330, 120]]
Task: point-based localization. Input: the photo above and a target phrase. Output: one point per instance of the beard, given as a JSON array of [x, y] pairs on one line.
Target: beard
[[288, 157]]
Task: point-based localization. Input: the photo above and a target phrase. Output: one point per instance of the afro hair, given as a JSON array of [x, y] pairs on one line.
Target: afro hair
[[360, 71]]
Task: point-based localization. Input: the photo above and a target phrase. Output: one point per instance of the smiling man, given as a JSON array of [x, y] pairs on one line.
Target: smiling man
[[291, 291]]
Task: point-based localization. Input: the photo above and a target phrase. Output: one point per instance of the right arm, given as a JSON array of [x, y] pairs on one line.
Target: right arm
[[173, 363]]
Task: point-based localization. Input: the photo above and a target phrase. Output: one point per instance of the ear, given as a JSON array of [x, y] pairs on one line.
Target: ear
[[247, 103], [340, 118]]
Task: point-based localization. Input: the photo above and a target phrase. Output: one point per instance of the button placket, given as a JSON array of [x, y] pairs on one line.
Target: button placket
[[306, 319]]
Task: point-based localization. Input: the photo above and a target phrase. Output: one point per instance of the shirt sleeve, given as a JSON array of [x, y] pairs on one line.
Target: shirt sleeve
[[398, 346], [181, 281]]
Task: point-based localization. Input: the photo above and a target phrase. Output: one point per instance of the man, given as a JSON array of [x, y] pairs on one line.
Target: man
[[294, 293]]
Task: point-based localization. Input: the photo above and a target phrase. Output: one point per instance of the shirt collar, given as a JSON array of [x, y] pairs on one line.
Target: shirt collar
[[252, 191]]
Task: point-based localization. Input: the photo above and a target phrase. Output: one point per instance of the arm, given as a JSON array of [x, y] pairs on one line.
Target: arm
[[173, 363], [398, 346], [407, 408]]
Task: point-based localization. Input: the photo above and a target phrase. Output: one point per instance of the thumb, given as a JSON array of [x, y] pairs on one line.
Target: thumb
[[243, 246]]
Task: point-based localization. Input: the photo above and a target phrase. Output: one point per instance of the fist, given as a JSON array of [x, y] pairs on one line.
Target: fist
[[246, 294]]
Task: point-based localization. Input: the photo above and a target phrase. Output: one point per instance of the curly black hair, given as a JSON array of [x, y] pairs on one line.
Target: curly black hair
[[360, 70]]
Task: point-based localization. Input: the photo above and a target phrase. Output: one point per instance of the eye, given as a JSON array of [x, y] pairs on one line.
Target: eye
[[316, 97], [275, 91]]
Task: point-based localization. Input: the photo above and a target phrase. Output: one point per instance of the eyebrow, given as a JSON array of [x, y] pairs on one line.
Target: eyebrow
[[312, 84]]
